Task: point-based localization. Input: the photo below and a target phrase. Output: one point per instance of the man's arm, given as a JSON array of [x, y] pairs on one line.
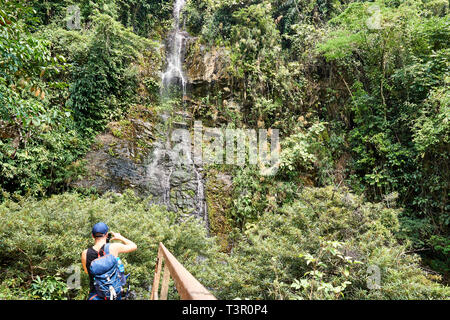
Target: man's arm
[[124, 247], [83, 260]]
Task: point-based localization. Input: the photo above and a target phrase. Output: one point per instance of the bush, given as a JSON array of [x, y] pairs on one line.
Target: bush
[[45, 164], [44, 238], [396, 110], [320, 247], [49, 288], [105, 76]]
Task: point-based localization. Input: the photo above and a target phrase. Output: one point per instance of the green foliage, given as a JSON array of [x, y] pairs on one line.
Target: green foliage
[[299, 151], [396, 77], [37, 142], [289, 13], [248, 197], [307, 249], [22, 55], [264, 81], [105, 79], [24, 60], [441, 259], [255, 54], [51, 11], [320, 246], [44, 238], [144, 16], [49, 288], [46, 164], [327, 258], [378, 94]]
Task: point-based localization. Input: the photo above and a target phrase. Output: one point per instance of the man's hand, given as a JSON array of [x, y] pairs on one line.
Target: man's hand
[[117, 236], [126, 245]]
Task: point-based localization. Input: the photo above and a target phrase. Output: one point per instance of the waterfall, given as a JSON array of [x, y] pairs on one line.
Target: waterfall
[[174, 70], [179, 186]]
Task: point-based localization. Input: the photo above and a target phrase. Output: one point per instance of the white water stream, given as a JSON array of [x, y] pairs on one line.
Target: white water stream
[[174, 75], [174, 70]]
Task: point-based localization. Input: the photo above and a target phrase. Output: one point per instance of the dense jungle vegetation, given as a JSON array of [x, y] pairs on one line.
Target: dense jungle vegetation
[[358, 90]]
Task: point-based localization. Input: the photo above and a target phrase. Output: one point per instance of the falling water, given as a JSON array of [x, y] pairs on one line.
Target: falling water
[[174, 70], [161, 176], [168, 177]]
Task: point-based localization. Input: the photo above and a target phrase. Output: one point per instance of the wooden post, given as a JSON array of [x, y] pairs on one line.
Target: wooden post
[[165, 282], [187, 286], [155, 288]]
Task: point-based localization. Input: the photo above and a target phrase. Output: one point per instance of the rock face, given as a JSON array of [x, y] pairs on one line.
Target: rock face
[[139, 153], [115, 160], [174, 180], [154, 170], [205, 65], [219, 188]]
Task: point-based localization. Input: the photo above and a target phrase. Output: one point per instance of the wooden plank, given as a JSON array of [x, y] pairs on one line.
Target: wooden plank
[[165, 282], [188, 287], [155, 288]]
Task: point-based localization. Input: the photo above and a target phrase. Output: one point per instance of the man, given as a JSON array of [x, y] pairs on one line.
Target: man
[[100, 234]]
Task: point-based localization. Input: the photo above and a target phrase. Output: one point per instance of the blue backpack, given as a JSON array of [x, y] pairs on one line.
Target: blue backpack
[[108, 278]]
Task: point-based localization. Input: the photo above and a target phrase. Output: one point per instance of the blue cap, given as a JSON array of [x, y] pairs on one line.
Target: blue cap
[[100, 227]]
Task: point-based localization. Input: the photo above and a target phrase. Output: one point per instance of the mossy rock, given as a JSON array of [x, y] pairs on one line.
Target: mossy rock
[[219, 202]]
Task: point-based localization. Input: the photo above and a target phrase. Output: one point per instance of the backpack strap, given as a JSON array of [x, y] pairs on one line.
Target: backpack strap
[[104, 249]]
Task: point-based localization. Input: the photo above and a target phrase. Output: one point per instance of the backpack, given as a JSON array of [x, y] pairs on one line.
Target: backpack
[[108, 279]]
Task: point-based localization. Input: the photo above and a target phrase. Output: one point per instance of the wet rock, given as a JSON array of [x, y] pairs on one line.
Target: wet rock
[[111, 166], [205, 65], [219, 200], [180, 125], [184, 114]]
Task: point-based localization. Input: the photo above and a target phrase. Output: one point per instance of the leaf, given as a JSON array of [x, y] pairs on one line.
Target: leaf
[[346, 272]]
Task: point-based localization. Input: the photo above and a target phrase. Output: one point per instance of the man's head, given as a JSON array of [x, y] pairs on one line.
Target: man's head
[[100, 230]]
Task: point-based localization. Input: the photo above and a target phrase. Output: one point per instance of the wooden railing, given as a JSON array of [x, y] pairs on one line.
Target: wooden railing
[[187, 286]]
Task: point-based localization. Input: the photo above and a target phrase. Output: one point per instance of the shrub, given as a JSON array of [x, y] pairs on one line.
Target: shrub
[[45, 164], [105, 76], [49, 288], [321, 246], [44, 238]]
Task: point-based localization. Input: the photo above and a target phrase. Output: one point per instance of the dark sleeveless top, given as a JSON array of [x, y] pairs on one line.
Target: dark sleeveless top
[[91, 255]]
